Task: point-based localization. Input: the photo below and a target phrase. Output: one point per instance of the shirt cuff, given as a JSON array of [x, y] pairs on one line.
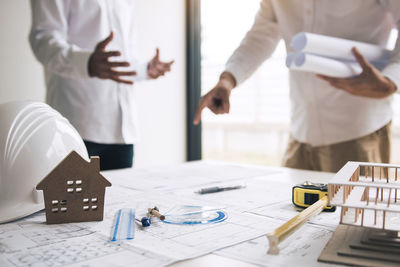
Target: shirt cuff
[[141, 71], [80, 61], [392, 71], [237, 71]]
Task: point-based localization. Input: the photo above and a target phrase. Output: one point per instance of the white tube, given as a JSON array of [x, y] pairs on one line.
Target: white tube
[[337, 48], [325, 66], [289, 59]]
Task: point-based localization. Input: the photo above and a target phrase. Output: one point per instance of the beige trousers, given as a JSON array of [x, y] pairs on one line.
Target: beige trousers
[[374, 147]]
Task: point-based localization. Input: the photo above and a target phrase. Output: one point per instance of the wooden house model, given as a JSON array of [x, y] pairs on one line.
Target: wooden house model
[[74, 190], [368, 195]]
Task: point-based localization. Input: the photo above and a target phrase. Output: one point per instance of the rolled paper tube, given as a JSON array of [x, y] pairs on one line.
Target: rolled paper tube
[[325, 66], [289, 59], [338, 48]]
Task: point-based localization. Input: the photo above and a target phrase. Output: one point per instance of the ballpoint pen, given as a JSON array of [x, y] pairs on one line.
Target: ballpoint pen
[[216, 189]]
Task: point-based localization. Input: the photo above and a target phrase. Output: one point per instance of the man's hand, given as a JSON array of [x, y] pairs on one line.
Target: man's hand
[[217, 100], [99, 65], [370, 83], [157, 68]]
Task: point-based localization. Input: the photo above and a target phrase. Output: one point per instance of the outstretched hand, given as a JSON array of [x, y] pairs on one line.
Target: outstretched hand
[[217, 100], [157, 68], [370, 83], [99, 65]]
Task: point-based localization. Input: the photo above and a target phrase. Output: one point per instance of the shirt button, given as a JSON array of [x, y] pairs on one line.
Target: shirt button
[[308, 12]]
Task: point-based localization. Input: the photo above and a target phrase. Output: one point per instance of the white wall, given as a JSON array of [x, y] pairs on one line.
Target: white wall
[[162, 111], [161, 103], [21, 75]]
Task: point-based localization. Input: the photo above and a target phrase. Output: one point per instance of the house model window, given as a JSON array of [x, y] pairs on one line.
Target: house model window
[[77, 199], [74, 186], [58, 205]]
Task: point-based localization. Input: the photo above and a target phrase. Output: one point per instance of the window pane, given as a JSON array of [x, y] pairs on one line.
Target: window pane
[[256, 129]]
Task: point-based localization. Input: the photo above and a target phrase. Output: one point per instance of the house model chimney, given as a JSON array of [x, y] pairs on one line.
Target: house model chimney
[[95, 162]]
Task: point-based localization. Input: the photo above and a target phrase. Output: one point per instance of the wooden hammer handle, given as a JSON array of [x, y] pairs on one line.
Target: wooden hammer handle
[[157, 214]]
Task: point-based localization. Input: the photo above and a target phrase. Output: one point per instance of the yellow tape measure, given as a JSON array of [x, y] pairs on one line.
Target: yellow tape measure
[[307, 193]]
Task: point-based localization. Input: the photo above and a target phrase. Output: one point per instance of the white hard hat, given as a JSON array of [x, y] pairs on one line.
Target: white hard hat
[[34, 138]]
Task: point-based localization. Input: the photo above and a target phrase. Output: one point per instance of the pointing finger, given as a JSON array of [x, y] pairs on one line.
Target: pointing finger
[[200, 108]]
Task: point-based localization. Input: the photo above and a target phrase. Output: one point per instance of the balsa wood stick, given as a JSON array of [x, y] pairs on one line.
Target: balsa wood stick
[[280, 233], [362, 218], [372, 173]]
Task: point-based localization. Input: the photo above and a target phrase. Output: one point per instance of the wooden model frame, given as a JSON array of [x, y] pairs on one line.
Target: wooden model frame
[[367, 193]]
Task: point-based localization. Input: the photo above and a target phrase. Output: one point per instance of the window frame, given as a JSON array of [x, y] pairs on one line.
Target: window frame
[[193, 78]]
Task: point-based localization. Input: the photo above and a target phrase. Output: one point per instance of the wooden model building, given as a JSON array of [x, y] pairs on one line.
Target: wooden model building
[[367, 193], [74, 190], [368, 233]]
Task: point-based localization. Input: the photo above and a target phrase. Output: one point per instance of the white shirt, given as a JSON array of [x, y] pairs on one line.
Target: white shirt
[[64, 34], [321, 114]]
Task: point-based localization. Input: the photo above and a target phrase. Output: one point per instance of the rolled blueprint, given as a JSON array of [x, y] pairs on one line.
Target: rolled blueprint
[[323, 65], [337, 48], [289, 59]]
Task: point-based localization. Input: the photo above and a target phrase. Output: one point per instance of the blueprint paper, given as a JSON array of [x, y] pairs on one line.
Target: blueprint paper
[[332, 56], [257, 193], [325, 66], [285, 210], [252, 212], [289, 59], [37, 244], [300, 249], [30, 242], [187, 175], [338, 48]]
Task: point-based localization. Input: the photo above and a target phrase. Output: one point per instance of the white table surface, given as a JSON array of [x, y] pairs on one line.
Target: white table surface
[[286, 176], [282, 178]]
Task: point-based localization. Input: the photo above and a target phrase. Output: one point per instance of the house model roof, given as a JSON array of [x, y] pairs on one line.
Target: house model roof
[[74, 164]]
